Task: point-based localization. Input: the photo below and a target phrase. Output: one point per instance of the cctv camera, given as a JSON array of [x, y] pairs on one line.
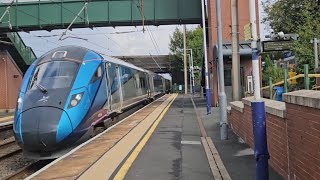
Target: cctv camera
[[281, 35]]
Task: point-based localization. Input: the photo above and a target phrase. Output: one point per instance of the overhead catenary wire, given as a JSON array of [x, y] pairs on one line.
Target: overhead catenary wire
[[87, 20], [148, 30], [77, 36], [13, 7], [110, 39], [151, 37]]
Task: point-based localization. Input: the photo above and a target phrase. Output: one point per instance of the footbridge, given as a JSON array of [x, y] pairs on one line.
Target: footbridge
[[59, 14]]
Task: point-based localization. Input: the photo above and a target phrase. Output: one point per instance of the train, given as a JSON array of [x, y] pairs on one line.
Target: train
[[69, 91]]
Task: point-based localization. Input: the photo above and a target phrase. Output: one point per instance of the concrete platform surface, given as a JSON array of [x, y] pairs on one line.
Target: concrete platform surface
[[237, 157], [174, 150]]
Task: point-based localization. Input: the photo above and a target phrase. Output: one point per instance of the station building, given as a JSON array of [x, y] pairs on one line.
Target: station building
[[244, 47], [10, 79]]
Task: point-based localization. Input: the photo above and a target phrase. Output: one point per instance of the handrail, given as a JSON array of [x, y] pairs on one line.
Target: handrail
[[26, 52], [292, 78], [315, 87]]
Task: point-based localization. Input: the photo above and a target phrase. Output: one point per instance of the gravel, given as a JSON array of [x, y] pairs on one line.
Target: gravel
[[10, 165]]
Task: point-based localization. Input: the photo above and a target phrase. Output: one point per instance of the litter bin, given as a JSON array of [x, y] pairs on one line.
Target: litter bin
[[279, 92]]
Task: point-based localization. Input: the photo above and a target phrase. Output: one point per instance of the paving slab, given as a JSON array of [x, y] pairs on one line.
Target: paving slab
[[174, 150]]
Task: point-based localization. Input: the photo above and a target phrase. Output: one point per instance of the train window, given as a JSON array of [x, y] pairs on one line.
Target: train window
[[96, 74], [54, 74], [143, 83], [59, 54]]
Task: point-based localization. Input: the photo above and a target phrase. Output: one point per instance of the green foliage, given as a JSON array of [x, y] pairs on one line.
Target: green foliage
[[194, 42], [269, 70], [301, 17]]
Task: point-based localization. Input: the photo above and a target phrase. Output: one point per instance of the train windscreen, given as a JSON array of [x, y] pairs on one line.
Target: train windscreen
[[54, 75]]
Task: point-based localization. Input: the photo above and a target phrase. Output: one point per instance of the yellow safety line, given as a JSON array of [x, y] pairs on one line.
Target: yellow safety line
[[128, 163]]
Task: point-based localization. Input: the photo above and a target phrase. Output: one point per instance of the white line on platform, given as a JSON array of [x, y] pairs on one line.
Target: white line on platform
[[191, 142]]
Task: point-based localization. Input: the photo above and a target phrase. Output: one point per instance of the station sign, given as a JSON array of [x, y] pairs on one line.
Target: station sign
[[269, 46], [247, 32]]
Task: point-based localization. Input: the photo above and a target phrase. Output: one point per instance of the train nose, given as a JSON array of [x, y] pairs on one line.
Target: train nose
[[43, 127]]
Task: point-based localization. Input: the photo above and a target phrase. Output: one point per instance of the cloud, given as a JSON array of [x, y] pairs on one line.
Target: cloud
[[112, 41]]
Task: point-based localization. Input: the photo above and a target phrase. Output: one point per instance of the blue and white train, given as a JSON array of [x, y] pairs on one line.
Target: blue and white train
[[69, 90]]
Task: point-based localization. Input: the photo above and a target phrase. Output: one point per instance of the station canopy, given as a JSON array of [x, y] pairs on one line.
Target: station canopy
[[154, 63]]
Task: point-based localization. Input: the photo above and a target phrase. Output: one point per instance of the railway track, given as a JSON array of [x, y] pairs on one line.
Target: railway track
[[10, 150], [6, 130], [27, 170], [12, 159], [8, 147]]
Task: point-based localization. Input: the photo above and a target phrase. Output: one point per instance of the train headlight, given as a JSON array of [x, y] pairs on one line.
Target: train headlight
[[19, 102], [75, 99], [78, 97]]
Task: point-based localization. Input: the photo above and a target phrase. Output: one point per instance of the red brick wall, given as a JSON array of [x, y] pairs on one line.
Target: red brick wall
[[241, 124], [277, 144], [10, 80], [304, 141], [293, 142]]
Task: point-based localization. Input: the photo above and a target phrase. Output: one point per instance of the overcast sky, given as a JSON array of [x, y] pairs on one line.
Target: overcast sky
[[112, 41]]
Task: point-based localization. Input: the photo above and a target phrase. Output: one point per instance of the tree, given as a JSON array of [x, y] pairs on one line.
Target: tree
[[269, 70], [194, 42], [301, 17]]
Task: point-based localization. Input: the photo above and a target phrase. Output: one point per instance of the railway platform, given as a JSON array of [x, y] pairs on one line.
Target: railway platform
[[6, 117], [171, 138]]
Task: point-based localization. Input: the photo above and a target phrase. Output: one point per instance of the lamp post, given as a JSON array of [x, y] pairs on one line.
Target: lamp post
[[190, 79], [258, 107], [206, 73], [192, 86]]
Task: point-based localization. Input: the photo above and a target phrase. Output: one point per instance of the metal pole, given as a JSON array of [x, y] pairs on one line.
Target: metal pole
[[208, 98], [222, 94], [190, 78], [306, 76], [270, 87], [185, 60], [285, 79], [236, 90], [192, 74], [258, 106], [316, 58], [6, 77]]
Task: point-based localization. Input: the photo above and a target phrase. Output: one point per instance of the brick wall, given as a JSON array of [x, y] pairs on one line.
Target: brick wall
[[241, 124], [10, 80], [277, 144], [304, 141], [293, 132]]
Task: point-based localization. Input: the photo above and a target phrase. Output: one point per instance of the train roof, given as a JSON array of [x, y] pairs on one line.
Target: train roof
[[78, 52], [122, 63]]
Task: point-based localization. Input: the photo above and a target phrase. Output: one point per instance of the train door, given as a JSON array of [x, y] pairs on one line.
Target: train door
[[147, 84], [152, 90], [120, 94], [108, 89], [163, 85], [115, 86]]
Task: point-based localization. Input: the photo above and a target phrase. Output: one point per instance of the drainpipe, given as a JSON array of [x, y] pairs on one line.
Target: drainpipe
[[6, 78], [236, 90]]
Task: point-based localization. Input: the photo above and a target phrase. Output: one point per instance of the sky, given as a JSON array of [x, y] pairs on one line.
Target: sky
[[116, 41]]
